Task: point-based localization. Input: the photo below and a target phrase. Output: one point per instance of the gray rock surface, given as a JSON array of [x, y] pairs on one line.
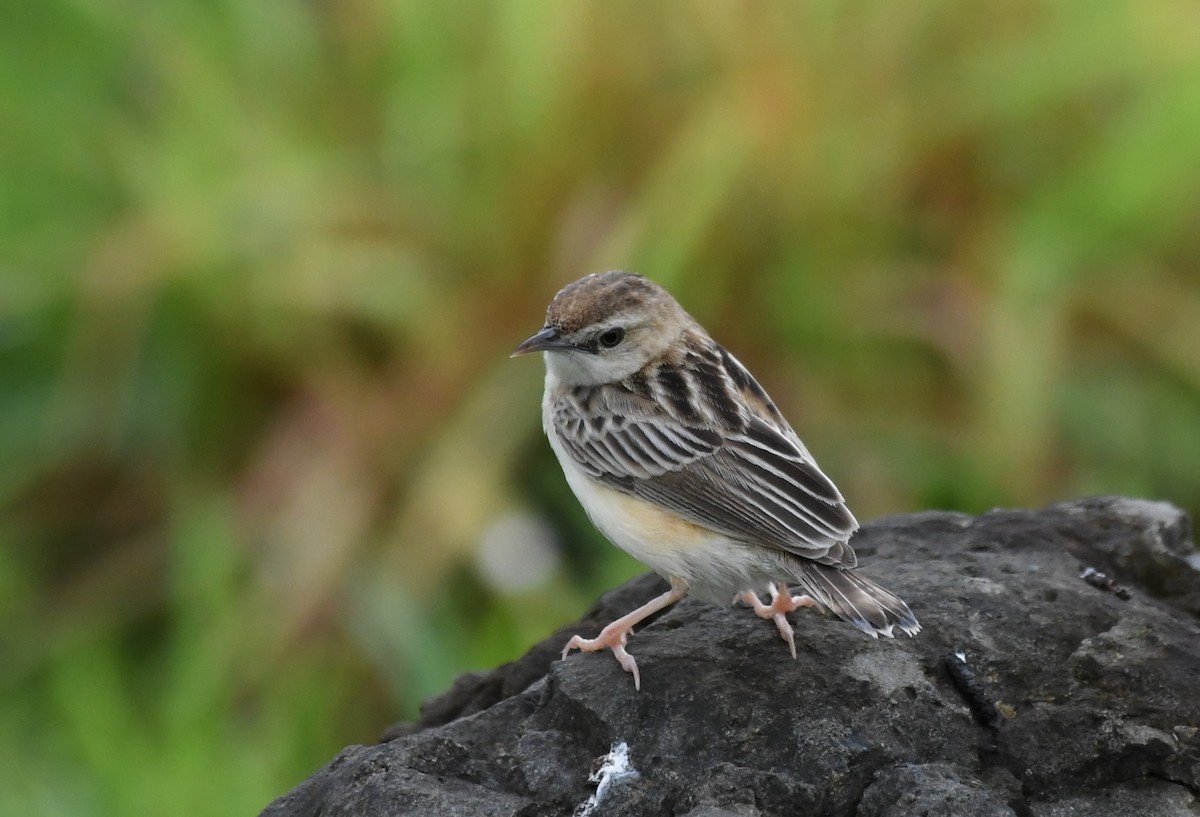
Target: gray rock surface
[[1099, 697]]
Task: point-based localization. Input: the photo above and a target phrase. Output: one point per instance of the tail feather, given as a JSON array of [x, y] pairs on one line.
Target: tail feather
[[857, 600]]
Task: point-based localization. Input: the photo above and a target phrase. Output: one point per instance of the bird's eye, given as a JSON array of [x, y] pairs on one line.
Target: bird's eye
[[612, 337]]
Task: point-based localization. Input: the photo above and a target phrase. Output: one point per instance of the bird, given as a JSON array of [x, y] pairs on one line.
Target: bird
[[682, 460]]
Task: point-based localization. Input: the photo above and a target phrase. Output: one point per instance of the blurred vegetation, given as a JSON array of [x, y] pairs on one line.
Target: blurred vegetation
[[261, 264]]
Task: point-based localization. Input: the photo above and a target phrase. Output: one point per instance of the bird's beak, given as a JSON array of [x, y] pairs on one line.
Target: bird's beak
[[545, 340]]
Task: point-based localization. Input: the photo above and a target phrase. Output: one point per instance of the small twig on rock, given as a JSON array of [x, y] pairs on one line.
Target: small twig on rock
[[1100, 580], [972, 689]]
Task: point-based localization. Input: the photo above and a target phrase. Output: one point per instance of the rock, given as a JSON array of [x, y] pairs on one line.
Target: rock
[[1146, 543], [1095, 700], [931, 790]]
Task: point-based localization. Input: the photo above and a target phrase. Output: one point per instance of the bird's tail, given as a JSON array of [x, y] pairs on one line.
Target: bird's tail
[[857, 600]]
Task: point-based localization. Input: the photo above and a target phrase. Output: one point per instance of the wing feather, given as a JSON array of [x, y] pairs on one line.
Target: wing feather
[[751, 479]]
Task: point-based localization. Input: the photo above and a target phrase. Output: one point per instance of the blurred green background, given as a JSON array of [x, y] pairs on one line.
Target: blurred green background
[[267, 475]]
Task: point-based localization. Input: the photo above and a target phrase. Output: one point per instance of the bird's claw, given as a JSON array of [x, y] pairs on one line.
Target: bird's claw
[[611, 639], [613, 636], [781, 604]]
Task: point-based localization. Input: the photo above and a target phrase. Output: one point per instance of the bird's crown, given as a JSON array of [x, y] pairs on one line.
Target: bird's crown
[[602, 295]]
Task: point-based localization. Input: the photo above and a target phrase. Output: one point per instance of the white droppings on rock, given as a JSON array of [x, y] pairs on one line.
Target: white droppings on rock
[[615, 769]]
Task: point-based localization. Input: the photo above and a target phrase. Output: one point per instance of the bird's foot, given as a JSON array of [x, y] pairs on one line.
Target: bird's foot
[[782, 603], [611, 637]]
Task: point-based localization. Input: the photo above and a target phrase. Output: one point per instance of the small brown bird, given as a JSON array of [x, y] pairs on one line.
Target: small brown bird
[[682, 460]]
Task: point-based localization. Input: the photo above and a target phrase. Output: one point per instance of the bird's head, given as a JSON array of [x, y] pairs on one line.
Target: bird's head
[[605, 327]]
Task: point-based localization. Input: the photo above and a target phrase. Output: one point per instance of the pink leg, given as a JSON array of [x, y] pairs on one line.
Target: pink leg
[[613, 636], [782, 603]]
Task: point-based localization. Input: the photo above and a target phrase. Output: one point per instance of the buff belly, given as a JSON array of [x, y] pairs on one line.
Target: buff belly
[[715, 567]]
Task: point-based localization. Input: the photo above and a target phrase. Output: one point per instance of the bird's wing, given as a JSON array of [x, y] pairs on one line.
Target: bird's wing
[[751, 481]]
